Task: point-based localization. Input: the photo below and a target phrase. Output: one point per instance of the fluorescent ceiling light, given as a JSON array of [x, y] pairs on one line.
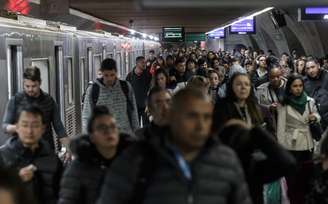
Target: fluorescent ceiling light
[[243, 18], [132, 32]]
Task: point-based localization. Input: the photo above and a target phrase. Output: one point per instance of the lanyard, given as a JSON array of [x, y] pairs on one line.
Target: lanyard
[[184, 166]]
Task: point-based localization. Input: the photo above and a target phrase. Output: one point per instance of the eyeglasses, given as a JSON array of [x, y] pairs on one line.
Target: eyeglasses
[[105, 128]]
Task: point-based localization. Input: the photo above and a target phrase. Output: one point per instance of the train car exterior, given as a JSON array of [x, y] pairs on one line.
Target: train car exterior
[[68, 60]]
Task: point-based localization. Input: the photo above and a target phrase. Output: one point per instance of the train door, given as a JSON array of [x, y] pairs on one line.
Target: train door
[[15, 67], [59, 63], [127, 63], [43, 65]]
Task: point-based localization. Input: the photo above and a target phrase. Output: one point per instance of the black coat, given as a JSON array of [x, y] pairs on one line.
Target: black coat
[[217, 177], [82, 180], [318, 89], [45, 182]]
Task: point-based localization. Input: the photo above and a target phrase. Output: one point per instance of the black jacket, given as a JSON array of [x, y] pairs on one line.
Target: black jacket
[[45, 182], [225, 110], [82, 180], [50, 110], [318, 89], [217, 177]]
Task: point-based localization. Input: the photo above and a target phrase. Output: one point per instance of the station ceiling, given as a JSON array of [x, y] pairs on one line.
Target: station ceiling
[[195, 15]]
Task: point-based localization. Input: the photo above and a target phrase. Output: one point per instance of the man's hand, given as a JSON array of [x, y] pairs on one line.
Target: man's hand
[[312, 117], [27, 173], [67, 156]]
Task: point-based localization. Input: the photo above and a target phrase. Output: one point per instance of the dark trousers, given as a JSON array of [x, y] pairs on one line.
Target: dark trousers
[[299, 182]]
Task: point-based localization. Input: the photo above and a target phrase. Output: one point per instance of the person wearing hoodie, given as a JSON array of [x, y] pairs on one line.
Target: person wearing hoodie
[[117, 95], [94, 154]]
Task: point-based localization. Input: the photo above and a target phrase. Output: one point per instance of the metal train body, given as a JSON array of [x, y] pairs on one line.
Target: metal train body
[[68, 60]]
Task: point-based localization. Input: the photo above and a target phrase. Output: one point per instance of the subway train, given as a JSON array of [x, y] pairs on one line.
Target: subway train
[[68, 60]]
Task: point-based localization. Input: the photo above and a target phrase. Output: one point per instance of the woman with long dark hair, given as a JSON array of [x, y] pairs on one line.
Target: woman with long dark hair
[[241, 103], [293, 132]]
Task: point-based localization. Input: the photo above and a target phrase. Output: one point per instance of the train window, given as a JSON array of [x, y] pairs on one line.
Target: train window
[[110, 55], [43, 65], [119, 64], [70, 80], [96, 64], [15, 69], [90, 67], [59, 61], [84, 74], [104, 52]]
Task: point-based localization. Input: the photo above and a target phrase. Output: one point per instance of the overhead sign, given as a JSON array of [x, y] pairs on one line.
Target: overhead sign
[[313, 13], [190, 37], [246, 26], [173, 34], [217, 34]]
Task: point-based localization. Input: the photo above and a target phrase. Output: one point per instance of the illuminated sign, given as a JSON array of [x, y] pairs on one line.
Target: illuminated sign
[[246, 26], [173, 34], [217, 34], [313, 13]]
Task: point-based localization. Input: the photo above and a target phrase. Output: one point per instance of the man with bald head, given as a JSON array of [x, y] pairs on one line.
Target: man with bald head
[[271, 93], [186, 165]]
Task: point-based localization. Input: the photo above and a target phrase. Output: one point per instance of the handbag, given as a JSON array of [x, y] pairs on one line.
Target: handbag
[[315, 128]]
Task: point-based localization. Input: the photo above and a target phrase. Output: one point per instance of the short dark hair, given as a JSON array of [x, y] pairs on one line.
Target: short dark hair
[[153, 91], [31, 108], [180, 60], [187, 93], [108, 64], [32, 73], [152, 51], [97, 112], [201, 61], [139, 58]]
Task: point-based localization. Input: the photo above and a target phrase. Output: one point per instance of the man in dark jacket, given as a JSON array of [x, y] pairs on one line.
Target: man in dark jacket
[[187, 165], [158, 102], [81, 183], [33, 94], [140, 79], [179, 75], [316, 86], [32, 158]]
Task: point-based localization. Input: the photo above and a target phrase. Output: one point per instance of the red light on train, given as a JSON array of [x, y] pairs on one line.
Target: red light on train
[[19, 6]]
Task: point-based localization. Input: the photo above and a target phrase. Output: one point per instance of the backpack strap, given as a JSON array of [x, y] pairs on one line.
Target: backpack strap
[[125, 89], [95, 89]]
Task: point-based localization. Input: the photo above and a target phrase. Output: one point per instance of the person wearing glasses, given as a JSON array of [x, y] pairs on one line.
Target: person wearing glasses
[[94, 153]]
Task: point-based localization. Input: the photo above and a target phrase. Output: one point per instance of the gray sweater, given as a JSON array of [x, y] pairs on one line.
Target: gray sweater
[[116, 101]]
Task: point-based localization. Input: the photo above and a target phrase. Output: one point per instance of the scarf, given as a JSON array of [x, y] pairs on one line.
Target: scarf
[[298, 102]]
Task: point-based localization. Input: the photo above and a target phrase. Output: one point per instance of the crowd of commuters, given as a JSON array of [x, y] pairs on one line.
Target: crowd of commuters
[[185, 126]]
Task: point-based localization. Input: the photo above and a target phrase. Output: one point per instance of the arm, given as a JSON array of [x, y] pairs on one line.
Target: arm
[[87, 107], [9, 117], [133, 111], [278, 163], [56, 121]]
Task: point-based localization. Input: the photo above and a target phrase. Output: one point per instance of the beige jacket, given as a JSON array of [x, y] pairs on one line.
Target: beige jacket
[[293, 130]]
